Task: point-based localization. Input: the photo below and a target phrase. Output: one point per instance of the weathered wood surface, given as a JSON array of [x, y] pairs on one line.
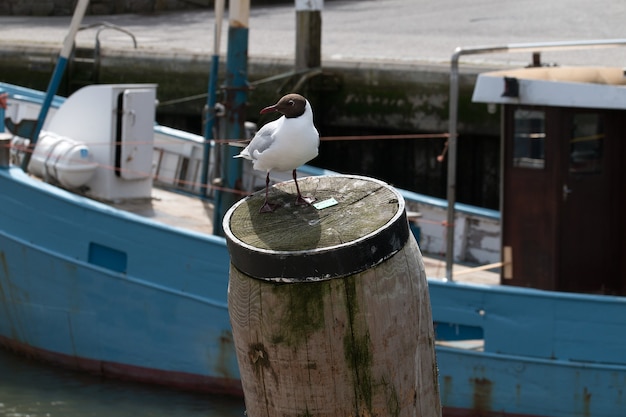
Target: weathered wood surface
[[356, 345], [364, 206]]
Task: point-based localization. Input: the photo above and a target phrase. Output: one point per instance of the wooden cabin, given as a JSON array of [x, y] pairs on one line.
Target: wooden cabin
[[563, 197]]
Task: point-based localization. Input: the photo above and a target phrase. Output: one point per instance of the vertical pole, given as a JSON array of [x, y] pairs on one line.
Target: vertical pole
[[3, 105], [308, 33], [209, 122], [55, 80], [452, 147], [235, 103]]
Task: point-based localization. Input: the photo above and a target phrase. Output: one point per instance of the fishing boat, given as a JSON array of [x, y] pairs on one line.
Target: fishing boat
[[110, 263]]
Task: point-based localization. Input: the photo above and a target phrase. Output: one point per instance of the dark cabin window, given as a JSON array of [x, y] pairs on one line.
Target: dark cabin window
[[529, 139], [585, 156]]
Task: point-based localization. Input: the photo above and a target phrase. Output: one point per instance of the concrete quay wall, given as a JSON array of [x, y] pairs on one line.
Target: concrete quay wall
[[372, 96]]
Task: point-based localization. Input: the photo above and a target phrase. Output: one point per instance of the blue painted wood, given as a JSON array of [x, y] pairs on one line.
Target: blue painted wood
[[536, 323], [209, 123], [172, 293], [236, 97], [545, 353], [107, 257], [29, 95], [59, 69], [496, 384]]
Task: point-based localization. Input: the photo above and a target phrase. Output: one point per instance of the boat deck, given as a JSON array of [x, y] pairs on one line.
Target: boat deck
[[180, 210], [436, 268], [173, 209]]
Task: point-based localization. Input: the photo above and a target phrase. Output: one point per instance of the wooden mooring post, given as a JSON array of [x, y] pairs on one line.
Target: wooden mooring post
[[308, 34], [329, 305]]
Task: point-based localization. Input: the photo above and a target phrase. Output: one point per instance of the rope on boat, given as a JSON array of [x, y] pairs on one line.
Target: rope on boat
[[355, 138], [481, 268], [240, 142], [322, 138]]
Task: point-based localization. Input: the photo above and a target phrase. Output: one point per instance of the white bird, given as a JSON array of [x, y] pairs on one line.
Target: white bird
[[284, 144]]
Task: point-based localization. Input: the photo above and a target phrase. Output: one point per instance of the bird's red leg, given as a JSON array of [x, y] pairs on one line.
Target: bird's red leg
[[267, 207], [301, 201]]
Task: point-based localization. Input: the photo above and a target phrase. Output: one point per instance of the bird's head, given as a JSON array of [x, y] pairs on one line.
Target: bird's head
[[291, 105]]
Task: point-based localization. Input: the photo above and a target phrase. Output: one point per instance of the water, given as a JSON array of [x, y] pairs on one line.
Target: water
[[32, 389]]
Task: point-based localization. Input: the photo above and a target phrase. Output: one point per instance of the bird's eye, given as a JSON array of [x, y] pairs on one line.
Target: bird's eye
[[291, 102]]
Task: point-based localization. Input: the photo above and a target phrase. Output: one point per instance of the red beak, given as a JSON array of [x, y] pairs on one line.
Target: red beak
[[268, 109]]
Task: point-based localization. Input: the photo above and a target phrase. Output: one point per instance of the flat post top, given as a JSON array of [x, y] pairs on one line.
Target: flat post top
[[355, 223]]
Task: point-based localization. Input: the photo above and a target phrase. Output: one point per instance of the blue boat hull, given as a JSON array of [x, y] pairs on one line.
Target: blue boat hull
[[542, 353], [504, 385], [102, 290]]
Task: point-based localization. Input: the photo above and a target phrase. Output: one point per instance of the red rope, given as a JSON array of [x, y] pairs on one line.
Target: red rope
[[232, 141]]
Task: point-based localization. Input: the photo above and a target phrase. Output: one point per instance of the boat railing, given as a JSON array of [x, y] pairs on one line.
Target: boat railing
[[176, 169], [177, 162]]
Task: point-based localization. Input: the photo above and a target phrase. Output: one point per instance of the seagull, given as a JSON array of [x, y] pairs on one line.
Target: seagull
[[284, 144]]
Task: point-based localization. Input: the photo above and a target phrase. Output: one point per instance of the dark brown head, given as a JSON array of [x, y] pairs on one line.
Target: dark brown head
[[291, 105]]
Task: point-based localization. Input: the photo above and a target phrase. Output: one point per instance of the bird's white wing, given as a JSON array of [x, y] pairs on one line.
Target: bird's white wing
[[261, 141]]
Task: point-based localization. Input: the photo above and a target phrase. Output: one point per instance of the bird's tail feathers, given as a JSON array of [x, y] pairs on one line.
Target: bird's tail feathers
[[243, 154]]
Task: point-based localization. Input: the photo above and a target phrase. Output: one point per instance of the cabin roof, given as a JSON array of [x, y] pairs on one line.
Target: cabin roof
[[583, 87]]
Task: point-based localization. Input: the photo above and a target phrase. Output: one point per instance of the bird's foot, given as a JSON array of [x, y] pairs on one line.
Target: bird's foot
[[304, 201], [268, 207]]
